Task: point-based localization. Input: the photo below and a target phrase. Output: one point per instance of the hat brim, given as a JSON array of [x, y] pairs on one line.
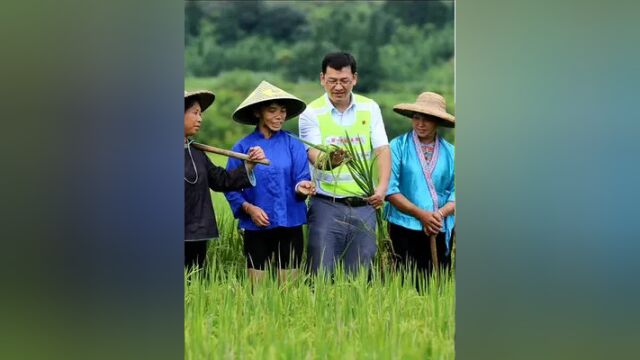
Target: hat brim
[[204, 98], [247, 116], [446, 119]]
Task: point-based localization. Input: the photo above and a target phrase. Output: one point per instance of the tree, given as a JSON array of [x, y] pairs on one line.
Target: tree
[[193, 14], [419, 12], [283, 24], [235, 20]]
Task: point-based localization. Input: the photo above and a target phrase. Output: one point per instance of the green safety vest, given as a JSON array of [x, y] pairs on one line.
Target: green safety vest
[[339, 181]]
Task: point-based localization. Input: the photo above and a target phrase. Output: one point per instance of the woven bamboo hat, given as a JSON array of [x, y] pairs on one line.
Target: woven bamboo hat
[[205, 98], [266, 93], [428, 103]]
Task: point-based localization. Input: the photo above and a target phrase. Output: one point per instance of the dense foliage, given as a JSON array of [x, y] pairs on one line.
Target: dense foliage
[[402, 48]]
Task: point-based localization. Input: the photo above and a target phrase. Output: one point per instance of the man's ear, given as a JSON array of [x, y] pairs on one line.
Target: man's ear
[[322, 78], [355, 78]]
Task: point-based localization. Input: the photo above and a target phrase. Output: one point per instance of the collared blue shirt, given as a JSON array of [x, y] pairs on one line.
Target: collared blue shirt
[[408, 179], [274, 191]]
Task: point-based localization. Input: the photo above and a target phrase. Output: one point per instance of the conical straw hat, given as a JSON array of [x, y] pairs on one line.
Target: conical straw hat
[[205, 98], [266, 93], [428, 103]]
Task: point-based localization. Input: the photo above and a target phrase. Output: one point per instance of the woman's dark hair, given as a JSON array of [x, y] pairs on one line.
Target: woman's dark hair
[[338, 60], [189, 102]]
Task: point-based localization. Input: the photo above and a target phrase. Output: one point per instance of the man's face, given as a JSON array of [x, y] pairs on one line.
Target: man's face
[[192, 120], [338, 83]]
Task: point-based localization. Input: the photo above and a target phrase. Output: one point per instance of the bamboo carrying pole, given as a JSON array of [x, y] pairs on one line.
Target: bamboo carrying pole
[[228, 153], [434, 254]]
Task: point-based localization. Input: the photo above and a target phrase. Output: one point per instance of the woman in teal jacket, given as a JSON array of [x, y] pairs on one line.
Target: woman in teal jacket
[[421, 195]]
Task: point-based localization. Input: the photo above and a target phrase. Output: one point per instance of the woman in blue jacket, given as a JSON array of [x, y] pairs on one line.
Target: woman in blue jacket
[[272, 213]]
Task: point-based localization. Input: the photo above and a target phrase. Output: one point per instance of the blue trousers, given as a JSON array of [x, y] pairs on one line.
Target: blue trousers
[[338, 232]]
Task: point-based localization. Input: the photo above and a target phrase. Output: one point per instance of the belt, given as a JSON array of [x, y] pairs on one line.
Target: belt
[[349, 201]]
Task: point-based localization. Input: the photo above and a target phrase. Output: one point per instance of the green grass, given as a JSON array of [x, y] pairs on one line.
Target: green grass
[[313, 318]]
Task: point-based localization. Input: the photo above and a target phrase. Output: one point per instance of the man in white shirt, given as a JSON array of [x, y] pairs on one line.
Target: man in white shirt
[[342, 225]]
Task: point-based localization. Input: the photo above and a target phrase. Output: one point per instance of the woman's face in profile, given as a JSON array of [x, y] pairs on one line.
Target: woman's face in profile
[[192, 120]]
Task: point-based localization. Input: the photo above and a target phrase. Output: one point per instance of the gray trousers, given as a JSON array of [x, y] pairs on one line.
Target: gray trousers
[[340, 232]]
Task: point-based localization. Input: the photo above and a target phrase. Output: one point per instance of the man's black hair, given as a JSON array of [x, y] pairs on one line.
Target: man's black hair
[[338, 60]]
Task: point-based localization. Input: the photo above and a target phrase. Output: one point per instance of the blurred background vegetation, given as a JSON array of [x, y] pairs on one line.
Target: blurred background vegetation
[[402, 49]]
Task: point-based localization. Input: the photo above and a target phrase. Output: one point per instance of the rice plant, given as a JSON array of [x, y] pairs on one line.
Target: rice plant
[[316, 317], [346, 317]]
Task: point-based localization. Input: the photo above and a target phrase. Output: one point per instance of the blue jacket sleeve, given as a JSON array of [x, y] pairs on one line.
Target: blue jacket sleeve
[[235, 198], [396, 156], [300, 168], [452, 186]]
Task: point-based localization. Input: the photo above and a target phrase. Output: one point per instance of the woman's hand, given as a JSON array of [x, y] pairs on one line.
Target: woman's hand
[[306, 188], [258, 216], [255, 153], [431, 222]]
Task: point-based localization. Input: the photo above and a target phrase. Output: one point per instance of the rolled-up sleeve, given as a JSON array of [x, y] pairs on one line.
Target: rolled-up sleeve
[[452, 194], [235, 198], [250, 174]]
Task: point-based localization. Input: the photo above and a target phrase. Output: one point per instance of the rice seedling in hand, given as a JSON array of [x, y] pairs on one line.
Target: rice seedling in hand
[[331, 156]]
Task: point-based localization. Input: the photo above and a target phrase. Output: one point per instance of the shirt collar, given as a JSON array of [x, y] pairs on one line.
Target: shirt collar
[[351, 103]]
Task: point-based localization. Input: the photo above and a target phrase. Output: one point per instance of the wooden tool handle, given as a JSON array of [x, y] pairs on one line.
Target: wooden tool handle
[[228, 153], [434, 253]]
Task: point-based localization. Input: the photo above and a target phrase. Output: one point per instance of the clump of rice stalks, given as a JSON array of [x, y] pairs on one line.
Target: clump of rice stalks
[[362, 172], [360, 169]]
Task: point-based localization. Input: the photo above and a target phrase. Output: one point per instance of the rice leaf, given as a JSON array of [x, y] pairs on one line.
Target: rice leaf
[[320, 147], [357, 161]]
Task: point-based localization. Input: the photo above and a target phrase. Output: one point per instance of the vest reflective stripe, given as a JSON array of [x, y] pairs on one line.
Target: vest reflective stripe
[[339, 180], [327, 176]]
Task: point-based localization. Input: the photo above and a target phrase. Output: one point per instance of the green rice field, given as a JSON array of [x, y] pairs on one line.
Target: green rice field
[[310, 317]]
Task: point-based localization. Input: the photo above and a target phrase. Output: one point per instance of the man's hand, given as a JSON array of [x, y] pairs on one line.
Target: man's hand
[[377, 199], [258, 216], [431, 222], [255, 153], [306, 188]]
